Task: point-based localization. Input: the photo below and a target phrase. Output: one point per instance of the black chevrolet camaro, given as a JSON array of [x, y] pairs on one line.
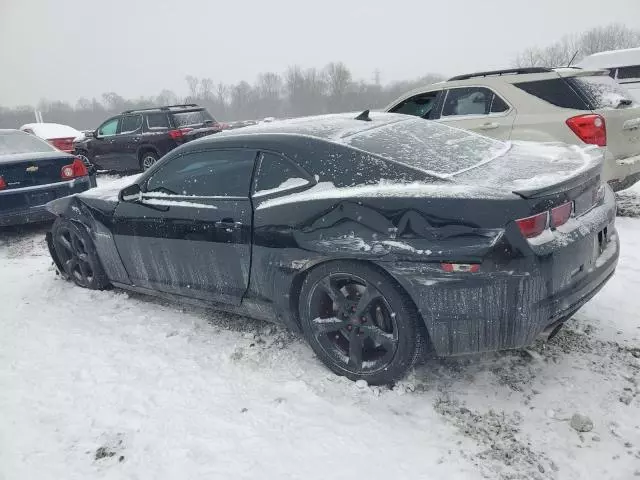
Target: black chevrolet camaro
[[379, 236]]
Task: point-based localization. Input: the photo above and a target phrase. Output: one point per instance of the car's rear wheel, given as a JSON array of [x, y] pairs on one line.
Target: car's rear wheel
[[148, 160], [360, 322], [77, 256]]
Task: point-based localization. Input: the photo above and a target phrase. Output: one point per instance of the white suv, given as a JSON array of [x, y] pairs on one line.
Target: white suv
[[569, 105]]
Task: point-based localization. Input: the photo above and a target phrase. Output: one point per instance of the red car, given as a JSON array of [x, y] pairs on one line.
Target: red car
[[60, 136]]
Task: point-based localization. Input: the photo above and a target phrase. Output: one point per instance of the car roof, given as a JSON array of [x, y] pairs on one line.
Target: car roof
[[497, 77], [612, 58], [333, 127]]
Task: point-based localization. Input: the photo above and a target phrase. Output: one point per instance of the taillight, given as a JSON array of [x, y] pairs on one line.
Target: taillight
[[589, 128], [75, 170], [178, 134], [64, 144], [460, 267], [534, 225], [3, 184], [560, 215]]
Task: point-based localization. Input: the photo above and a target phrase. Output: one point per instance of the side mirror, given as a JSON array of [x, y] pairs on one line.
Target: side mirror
[[132, 193], [95, 134]]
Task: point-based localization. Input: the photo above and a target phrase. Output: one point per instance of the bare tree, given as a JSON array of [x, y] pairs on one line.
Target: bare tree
[[339, 80], [576, 47], [192, 83]]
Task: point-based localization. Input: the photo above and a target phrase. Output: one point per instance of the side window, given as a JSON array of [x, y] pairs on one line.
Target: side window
[[467, 101], [498, 105], [420, 106], [130, 123], [225, 173], [157, 120], [110, 127], [276, 173], [629, 72]]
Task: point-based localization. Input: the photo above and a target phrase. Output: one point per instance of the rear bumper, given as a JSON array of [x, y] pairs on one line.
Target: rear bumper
[[621, 173], [510, 308], [21, 206]]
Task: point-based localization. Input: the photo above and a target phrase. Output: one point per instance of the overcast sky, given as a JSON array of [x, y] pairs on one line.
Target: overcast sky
[[66, 49]]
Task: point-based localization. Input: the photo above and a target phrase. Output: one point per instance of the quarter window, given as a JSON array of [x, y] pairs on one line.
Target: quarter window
[[130, 123], [110, 127], [225, 173], [629, 72], [157, 120], [276, 173]]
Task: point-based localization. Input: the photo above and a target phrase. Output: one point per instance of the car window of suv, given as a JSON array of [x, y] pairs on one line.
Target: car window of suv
[[157, 120], [629, 72], [420, 105], [276, 173], [498, 105], [108, 128], [225, 173], [190, 119], [130, 123], [467, 101], [555, 91]]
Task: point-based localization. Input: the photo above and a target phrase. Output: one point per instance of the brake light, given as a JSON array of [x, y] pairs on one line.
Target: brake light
[[64, 144], [179, 133], [460, 267], [75, 170], [534, 225], [590, 129], [560, 215], [3, 184]]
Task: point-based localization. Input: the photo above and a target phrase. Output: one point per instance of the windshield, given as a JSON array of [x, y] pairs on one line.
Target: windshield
[[189, 119], [603, 92], [12, 143], [428, 146]]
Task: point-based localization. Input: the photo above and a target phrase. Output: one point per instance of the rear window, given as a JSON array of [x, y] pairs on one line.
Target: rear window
[[17, 142], [602, 91], [428, 146], [187, 119], [555, 91]]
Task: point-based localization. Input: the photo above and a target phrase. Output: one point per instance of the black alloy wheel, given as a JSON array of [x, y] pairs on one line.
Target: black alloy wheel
[[77, 256], [360, 323]]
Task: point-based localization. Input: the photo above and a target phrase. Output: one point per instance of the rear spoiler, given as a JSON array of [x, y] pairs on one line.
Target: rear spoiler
[[569, 183]]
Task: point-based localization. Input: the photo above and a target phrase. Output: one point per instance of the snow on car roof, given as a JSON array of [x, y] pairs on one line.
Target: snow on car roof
[[51, 130]]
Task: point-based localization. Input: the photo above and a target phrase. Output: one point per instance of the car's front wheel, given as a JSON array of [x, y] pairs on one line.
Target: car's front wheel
[[360, 322], [77, 258]]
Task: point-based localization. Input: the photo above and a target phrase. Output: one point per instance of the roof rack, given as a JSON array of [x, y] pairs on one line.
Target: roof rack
[[164, 108], [510, 71]]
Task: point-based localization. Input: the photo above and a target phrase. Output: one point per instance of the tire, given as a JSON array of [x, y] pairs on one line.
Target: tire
[[77, 256], [346, 307], [147, 160]]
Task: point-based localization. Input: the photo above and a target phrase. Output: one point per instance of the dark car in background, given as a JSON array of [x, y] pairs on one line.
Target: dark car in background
[[32, 173], [136, 139], [377, 236]]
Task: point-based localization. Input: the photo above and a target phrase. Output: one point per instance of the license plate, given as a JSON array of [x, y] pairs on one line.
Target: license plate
[[40, 198]]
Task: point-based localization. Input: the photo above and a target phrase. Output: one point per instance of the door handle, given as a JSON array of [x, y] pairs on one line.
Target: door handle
[[228, 225], [489, 126]]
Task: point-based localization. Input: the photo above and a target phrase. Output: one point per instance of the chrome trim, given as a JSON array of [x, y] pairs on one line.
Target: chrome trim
[[69, 183]]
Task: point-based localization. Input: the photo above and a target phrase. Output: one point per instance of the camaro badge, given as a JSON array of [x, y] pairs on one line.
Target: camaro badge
[[32, 169]]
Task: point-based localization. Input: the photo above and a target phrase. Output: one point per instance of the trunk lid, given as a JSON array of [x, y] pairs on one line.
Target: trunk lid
[[535, 171], [32, 169]]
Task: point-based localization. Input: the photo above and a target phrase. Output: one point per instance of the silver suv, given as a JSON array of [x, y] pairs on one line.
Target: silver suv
[[569, 105]]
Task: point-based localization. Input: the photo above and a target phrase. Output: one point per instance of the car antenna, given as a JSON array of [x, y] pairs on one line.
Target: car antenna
[[364, 116], [573, 58]]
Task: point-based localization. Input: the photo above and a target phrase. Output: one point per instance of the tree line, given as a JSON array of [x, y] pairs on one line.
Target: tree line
[[302, 91]]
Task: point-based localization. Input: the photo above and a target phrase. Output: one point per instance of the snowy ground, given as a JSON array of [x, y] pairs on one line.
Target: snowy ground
[[110, 385]]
